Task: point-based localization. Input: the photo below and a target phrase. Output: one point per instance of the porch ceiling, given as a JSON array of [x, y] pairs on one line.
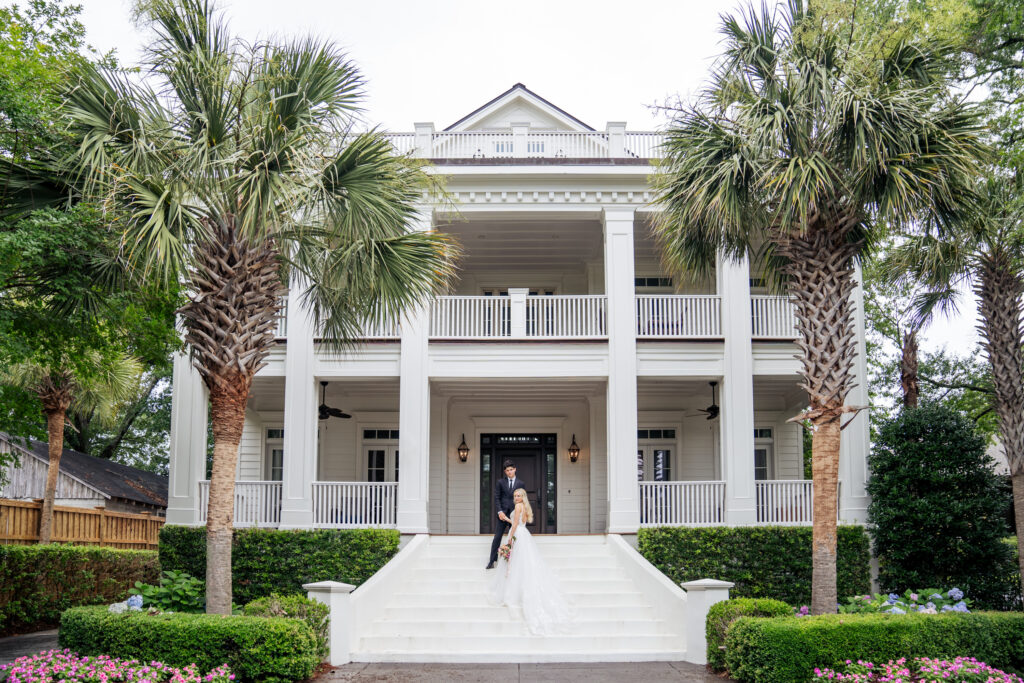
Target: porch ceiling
[[518, 245], [518, 390]]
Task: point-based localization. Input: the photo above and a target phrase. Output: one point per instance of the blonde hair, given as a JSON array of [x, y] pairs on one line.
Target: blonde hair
[[527, 510]]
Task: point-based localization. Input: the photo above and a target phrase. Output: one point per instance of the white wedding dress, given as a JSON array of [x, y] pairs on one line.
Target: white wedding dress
[[526, 582]]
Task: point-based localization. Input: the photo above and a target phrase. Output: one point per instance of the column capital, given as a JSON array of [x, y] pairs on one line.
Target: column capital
[[616, 214]]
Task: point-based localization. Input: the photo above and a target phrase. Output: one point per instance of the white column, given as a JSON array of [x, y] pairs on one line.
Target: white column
[[300, 416], [855, 441], [700, 596], [736, 423], [616, 138], [414, 417], [338, 598], [189, 403], [623, 491]]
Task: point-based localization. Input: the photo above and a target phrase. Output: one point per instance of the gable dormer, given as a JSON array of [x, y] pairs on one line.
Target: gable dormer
[[519, 106]]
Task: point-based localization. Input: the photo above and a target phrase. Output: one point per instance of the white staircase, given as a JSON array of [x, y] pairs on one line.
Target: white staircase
[[433, 607]]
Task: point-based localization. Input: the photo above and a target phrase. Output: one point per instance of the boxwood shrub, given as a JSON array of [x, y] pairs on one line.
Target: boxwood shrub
[[38, 582], [254, 648], [763, 562], [265, 561], [787, 650], [722, 614]]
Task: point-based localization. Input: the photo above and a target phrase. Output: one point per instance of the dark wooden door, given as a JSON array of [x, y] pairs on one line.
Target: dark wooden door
[[533, 455]]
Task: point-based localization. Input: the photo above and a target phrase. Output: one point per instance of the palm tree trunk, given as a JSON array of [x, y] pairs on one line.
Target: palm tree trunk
[[908, 370], [825, 475], [55, 435], [999, 292], [820, 279], [227, 416]]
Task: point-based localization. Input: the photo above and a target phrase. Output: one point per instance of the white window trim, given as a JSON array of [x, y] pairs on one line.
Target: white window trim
[[770, 444], [364, 444], [266, 464]]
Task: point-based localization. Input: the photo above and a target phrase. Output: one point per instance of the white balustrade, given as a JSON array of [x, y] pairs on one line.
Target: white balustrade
[[673, 316], [785, 502], [354, 504], [470, 317], [566, 317], [403, 143], [388, 329], [644, 144], [681, 503], [282, 319], [257, 503], [773, 317]]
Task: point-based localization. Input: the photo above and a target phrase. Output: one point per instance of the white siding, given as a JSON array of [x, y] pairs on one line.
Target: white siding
[[598, 464], [438, 415], [250, 449]]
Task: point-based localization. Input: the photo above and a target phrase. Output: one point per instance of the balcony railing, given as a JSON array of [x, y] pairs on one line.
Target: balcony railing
[[773, 317], [672, 316], [354, 504], [531, 145], [681, 503], [785, 502], [519, 316], [257, 503]]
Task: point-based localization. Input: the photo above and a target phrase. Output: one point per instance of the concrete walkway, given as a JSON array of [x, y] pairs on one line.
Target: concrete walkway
[[648, 672], [18, 646]]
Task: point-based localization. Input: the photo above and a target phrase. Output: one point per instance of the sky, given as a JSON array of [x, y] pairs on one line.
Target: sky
[[439, 60]]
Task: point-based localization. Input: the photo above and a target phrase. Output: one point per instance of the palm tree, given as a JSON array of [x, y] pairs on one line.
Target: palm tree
[[241, 172], [93, 382], [800, 146], [984, 250]]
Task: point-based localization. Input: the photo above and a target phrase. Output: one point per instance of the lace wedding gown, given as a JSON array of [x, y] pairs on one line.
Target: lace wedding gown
[[526, 582]]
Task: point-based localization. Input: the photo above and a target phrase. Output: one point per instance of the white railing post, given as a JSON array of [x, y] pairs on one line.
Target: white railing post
[[517, 300], [616, 139], [338, 598], [700, 596], [519, 133], [423, 140]]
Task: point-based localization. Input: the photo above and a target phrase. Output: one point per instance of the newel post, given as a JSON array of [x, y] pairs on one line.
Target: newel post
[[337, 596], [700, 596]]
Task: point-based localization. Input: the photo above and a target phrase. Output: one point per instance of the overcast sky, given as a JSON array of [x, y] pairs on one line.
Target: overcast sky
[[437, 61]]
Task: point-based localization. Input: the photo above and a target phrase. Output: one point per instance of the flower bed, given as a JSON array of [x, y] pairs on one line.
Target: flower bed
[[959, 670], [65, 665], [923, 600]]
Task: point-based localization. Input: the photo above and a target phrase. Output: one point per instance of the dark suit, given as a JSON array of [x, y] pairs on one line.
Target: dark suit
[[504, 501]]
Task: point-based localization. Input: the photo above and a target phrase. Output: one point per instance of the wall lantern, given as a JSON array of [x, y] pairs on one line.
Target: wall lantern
[[574, 450], [463, 449]]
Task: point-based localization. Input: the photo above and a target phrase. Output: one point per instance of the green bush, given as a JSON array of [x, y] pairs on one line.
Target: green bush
[[176, 592], [937, 514], [787, 650], [722, 614], [265, 561], [763, 562], [315, 613], [254, 648], [38, 582]]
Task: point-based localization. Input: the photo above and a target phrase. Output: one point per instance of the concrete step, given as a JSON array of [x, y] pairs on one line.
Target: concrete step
[[513, 626], [525, 643], [562, 572], [453, 599], [484, 613], [466, 656]]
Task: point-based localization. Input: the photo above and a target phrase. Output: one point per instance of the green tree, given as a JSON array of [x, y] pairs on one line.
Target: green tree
[[802, 144], [985, 250], [241, 173], [937, 512]]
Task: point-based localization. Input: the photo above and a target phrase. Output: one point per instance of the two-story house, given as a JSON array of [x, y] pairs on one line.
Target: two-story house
[[626, 396]]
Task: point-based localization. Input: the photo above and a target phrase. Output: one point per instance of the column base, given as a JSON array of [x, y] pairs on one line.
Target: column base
[[182, 516]]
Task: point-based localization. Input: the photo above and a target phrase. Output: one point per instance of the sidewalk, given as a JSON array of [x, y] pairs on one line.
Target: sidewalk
[[648, 672], [29, 644]]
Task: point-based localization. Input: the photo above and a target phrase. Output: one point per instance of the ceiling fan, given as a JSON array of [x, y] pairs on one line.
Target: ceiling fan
[[326, 411], [712, 410]]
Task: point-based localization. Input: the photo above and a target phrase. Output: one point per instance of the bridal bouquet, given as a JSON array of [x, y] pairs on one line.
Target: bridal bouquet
[[505, 551]]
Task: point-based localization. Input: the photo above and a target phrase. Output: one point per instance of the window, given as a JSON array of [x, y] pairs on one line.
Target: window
[[652, 282], [273, 450], [380, 451], [655, 434], [762, 433], [764, 465], [654, 453], [369, 434]]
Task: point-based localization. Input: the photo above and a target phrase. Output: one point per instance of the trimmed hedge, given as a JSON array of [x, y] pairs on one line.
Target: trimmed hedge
[[38, 582], [722, 614], [254, 648], [316, 614], [763, 562], [787, 650], [266, 561]]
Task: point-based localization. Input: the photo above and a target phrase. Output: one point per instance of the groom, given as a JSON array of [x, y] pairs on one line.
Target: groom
[[505, 502]]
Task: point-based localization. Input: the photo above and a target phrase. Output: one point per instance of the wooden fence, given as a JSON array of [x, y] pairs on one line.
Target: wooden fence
[[19, 525]]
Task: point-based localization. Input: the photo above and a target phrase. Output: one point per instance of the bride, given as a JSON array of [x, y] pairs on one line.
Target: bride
[[523, 580]]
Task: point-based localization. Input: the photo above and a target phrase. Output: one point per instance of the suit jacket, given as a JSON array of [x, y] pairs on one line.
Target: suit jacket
[[504, 500]]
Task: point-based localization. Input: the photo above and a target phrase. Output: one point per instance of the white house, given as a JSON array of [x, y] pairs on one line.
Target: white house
[[562, 333]]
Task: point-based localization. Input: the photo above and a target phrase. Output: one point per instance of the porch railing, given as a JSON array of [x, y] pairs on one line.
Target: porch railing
[[566, 317], [773, 317], [552, 145], [354, 504], [681, 503], [471, 317], [786, 502], [672, 316], [257, 503]]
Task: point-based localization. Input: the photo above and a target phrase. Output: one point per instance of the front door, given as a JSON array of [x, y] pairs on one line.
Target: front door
[[534, 456]]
